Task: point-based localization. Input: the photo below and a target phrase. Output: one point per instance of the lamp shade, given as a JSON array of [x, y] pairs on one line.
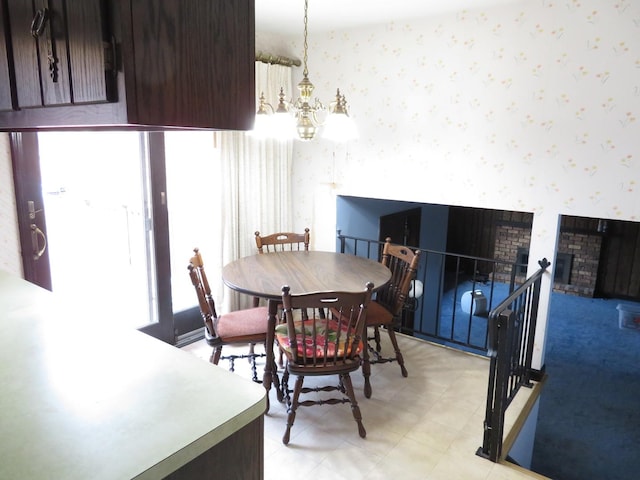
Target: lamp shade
[[416, 289], [339, 127]]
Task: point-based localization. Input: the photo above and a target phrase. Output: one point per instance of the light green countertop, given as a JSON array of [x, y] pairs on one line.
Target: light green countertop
[[82, 400]]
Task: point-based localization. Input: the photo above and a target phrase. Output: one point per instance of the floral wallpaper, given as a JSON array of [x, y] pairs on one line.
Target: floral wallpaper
[[532, 107], [10, 260]]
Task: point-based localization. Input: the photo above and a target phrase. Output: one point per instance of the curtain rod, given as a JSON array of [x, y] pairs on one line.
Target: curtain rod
[[276, 59]]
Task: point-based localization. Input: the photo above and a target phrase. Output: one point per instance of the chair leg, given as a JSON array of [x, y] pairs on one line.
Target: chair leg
[[345, 379], [366, 370], [396, 349], [215, 355], [292, 409], [254, 369], [284, 386], [280, 360], [376, 336], [276, 382], [251, 357]]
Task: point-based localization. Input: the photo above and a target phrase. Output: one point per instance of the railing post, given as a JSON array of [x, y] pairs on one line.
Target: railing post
[[343, 241], [497, 399]]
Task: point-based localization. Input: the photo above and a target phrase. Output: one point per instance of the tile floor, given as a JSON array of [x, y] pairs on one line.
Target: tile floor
[[425, 426]]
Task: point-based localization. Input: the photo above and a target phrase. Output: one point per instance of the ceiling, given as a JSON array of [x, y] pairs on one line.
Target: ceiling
[[286, 16]]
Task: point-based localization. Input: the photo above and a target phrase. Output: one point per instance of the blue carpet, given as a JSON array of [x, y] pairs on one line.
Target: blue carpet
[[589, 418], [467, 323]]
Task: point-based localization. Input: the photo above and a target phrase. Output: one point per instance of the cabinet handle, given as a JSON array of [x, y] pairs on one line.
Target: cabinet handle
[[38, 22]]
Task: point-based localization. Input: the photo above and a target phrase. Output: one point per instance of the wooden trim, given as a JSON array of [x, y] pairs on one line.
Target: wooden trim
[[523, 415]]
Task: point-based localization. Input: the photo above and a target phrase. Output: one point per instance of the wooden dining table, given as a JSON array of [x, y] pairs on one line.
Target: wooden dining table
[[264, 275]]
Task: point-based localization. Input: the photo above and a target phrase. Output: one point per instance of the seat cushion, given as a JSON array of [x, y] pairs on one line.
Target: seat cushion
[[377, 314], [282, 338], [242, 324]]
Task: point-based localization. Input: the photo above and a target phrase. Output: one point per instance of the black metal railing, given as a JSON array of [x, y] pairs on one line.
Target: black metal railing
[[506, 334], [448, 311], [512, 326]]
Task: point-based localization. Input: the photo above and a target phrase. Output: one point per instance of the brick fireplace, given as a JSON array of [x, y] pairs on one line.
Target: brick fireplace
[[576, 263]]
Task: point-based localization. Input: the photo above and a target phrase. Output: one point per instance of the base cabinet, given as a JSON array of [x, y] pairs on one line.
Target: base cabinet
[[238, 457]]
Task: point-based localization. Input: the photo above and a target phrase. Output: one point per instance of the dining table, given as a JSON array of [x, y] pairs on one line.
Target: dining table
[[264, 274]]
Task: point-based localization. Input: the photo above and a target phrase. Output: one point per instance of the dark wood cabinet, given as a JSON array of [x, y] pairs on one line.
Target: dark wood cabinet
[[59, 52], [143, 63], [7, 87], [190, 63]]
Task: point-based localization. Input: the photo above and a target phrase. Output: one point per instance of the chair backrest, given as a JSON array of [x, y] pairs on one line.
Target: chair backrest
[[403, 263], [203, 291], [331, 333], [278, 242]]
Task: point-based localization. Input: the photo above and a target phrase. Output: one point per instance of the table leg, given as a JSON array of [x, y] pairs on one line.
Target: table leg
[[270, 372]]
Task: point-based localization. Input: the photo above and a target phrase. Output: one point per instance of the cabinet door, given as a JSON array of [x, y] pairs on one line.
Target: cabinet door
[[68, 50], [25, 54], [93, 75], [52, 50], [6, 102], [190, 63]]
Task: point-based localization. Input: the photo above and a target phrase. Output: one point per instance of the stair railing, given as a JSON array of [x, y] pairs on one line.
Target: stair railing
[[512, 327]]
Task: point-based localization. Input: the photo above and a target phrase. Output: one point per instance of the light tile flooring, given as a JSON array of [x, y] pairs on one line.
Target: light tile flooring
[[425, 426]]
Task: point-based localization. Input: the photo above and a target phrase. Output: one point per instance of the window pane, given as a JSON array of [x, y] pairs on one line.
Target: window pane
[[97, 225], [192, 163]]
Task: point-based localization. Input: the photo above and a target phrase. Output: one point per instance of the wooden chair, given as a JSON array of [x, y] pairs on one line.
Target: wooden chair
[[321, 345], [281, 242], [278, 242], [386, 308], [242, 327]]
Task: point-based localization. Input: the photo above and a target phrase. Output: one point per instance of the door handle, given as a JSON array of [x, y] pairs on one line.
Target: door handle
[[36, 235]]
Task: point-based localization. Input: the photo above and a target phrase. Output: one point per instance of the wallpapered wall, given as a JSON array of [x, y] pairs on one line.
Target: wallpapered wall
[[529, 107], [9, 244]]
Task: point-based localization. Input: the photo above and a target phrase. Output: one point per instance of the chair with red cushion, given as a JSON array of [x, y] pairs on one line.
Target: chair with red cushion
[[321, 344], [385, 310], [241, 327]]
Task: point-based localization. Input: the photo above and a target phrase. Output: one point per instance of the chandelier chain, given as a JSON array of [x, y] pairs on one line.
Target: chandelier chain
[[305, 72]]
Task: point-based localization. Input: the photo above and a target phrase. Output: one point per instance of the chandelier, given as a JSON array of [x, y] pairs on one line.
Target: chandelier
[[305, 116]]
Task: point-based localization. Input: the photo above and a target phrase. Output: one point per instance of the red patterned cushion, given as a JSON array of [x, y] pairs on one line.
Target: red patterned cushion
[[306, 346]]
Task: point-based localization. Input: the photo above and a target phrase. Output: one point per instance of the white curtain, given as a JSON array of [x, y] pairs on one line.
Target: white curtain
[[256, 190]]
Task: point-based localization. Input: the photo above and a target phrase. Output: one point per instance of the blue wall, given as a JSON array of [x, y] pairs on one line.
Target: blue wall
[[360, 217]]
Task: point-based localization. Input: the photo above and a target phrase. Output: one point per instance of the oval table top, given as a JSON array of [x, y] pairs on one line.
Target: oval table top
[[263, 275]]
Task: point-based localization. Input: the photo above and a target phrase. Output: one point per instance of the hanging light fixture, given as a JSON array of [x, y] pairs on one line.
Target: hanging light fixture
[[273, 123], [309, 115]]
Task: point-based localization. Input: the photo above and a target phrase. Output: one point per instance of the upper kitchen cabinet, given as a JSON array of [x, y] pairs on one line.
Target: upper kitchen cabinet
[[60, 52], [142, 63], [190, 63], [7, 87]]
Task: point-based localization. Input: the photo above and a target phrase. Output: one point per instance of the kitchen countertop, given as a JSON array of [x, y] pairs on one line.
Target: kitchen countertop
[[81, 399]]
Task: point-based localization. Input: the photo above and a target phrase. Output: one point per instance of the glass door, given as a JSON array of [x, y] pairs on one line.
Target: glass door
[[99, 201], [193, 204], [95, 188]]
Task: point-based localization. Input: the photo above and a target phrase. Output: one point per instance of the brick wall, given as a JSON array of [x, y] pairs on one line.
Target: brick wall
[[583, 248], [586, 256]]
